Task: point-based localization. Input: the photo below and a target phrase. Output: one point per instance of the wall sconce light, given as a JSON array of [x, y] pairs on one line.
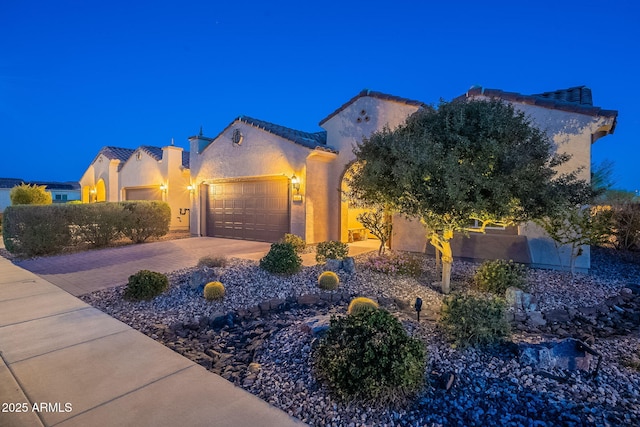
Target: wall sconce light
[[92, 194], [191, 188], [295, 184], [163, 187]]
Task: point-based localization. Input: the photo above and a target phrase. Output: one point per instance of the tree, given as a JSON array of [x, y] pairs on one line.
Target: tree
[[479, 160], [577, 226], [26, 194], [377, 222]]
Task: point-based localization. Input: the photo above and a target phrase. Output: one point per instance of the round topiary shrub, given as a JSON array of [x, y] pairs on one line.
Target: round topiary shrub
[[281, 259], [498, 275], [331, 250], [360, 304], [328, 281], [471, 320], [213, 291], [145, 285], [369, 357]]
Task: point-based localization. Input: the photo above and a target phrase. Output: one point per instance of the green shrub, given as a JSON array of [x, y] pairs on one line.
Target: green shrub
[[361, 304], [298, 242], [369, 357], [395, 263], [474, 320], [212, 261], [26, 194], [328, 281], [331, 250], [213, 291], [626, 226], [498, 275], [32, 230], [145, 285], [281, 259], [144, 219], [99, 224]]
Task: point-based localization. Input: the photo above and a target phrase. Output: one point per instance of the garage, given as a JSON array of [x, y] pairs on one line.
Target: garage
[[251, 209], [149, 193]]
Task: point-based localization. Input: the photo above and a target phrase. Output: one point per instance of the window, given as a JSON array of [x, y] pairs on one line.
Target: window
[[61, 197]]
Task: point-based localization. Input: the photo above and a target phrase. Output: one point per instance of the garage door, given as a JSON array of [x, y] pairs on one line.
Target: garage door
[[249, 209], [153, 193]]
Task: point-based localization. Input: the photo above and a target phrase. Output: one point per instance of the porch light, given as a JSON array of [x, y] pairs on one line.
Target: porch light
[[295, 183], [191, 188], [163, 187]]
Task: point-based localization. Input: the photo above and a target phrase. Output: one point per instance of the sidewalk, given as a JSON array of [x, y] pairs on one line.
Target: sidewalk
[[88, 369]]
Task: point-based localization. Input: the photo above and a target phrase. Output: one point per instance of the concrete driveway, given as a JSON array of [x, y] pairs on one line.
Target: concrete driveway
[[84, 272]]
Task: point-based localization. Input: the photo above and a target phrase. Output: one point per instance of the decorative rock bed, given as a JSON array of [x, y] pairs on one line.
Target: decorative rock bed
[[261, 337]]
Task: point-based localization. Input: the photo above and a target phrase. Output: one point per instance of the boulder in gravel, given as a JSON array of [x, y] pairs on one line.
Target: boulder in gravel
[[535, 319], [558, 315], [349, 265], [334, 265], [568, 354], [316, 325]]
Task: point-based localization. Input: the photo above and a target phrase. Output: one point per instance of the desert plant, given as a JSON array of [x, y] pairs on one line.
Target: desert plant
[[144, 219], [361, 304], [30, 230], [281, 259], [328, 281], [471, 320], [378, 222], [99, 224], [212, 261], [497, 275], [331, 250], [395, 263], [146, 285], [369, 357], [26, 194], [214, 291], [298, 242], [626, 225]]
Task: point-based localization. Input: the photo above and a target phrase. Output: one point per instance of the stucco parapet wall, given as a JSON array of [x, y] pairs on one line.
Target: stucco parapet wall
[[571, 107], [373, 94]]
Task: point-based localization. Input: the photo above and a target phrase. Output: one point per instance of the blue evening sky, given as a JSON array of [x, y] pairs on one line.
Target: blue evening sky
[[78, 75]]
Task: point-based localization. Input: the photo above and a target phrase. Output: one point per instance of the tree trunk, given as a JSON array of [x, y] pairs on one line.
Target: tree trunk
[[438, 271], [447, 260]]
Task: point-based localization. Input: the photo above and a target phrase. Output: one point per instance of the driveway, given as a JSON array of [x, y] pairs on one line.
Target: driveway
[[88, 271]]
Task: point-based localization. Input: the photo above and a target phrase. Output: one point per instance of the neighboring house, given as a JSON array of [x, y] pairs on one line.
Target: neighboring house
[[257, 180], [61, 192], [144, 173]]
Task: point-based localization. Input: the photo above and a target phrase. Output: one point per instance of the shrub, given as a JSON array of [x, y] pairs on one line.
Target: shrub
[[213, 291], [212, 261], [298, 242], [331, 250], [474, 321], [98, 223], [369, 357], [498, 275], [30, 230], [144, 219], [145, 285], [361, 304], [328, 281], [281, 259], [395, 263], [626, 225], [26, 194]]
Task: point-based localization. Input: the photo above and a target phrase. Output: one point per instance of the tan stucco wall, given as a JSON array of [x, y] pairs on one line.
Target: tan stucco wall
[[107, 170]]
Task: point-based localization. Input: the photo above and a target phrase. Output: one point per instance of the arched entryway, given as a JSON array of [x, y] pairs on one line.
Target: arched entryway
[[351, 230], [86, 194], [101, 191]]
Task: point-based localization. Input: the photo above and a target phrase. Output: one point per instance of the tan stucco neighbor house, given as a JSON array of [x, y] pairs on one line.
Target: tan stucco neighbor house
[[144, 173], [258, 180]]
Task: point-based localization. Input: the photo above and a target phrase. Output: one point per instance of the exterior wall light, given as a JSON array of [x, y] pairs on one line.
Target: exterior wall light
[[163, 187], [295, 184], [191, 188]]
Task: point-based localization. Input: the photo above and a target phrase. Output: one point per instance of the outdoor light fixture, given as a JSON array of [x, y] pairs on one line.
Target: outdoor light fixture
[[418, 307], [191, 188], [295, 184], [163, 187]]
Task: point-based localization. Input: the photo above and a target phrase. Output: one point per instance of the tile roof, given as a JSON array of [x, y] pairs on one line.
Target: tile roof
[[374, 94], [155, 152], [51, 185], [575, 100], [306, 139], [185, 159], [10, 182]]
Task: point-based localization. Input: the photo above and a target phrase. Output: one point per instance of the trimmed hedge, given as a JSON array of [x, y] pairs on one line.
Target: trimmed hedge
[[30, 230]]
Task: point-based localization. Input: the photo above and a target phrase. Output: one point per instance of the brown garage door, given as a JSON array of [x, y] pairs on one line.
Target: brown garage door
[[153, 193], [249, 209]]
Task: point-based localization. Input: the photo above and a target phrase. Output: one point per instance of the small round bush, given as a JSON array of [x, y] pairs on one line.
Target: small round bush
[[369, 357], [498, 275], [213, 291], [471, 320], [298, 242], [331, 250], [360, 304], [328, 281], [212, 261], [145, 285], [281, 259]]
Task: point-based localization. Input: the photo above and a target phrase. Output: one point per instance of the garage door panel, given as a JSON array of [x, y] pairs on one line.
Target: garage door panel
[[251, 210], [153, 193]]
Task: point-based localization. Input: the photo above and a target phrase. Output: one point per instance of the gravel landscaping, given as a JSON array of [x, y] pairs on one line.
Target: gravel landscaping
[[259, 337]]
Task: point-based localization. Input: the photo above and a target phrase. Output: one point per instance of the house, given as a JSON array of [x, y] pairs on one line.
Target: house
[[257, 180], [144, 173], [61, 192]]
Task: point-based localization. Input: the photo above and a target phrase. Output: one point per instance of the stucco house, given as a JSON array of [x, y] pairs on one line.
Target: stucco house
[[61, 192], [144, 173], [258, 180]]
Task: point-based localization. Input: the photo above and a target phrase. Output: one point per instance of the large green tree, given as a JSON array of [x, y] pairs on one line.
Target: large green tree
[[467, 160]]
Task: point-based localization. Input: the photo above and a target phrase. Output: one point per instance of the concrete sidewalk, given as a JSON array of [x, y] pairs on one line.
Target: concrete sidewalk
[[89, 369]]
